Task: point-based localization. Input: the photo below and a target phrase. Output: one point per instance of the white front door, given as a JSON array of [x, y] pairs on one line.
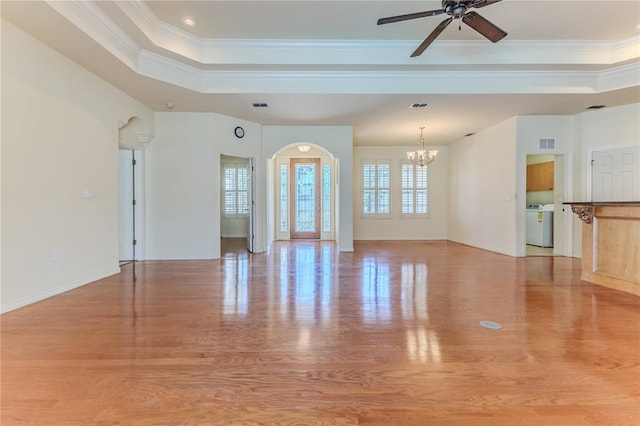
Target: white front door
[[305, 198]]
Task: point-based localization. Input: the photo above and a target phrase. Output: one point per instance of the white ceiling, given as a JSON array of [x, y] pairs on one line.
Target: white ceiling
[[328, 63]]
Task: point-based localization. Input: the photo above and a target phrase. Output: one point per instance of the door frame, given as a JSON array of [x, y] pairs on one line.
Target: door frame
[[562, 231], [251, 192]]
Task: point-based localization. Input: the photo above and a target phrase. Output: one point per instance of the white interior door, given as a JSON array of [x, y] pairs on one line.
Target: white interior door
[[561, 213], [125, 205], [251, 205], [616, 175]]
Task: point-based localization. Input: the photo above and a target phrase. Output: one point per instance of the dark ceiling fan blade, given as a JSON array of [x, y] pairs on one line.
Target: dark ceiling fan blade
[[434, 34], [482, 3], [483, 26], [408, 16]]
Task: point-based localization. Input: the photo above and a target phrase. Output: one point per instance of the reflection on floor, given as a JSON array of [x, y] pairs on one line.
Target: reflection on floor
[[540, 251], [233, 247], [391, 334]]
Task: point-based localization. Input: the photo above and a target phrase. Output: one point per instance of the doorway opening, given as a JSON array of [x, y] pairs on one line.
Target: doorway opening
[[133, 136], [236, 203], [545, 218], [304, 192]]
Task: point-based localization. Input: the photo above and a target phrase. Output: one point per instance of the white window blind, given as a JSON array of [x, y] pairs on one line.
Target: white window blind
[[236, 195], [414, 190], [375, 186]]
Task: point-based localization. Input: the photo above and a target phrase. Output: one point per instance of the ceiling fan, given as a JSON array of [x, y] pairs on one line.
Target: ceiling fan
[[456, 9]]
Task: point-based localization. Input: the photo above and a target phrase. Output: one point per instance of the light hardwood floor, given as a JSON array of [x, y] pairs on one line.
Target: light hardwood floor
[[304, 335]]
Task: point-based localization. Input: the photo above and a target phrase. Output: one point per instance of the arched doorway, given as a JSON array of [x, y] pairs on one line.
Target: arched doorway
[[304, 195]]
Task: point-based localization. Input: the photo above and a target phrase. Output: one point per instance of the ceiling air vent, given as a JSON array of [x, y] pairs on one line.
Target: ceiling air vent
[[260, 105], [547, 143], [596, 106], [419, 105]]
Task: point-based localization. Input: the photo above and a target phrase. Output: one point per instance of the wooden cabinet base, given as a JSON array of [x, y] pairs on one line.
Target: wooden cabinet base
[[610, 248]]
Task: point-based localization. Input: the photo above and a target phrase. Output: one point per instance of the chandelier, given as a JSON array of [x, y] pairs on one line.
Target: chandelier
[[421, 157]]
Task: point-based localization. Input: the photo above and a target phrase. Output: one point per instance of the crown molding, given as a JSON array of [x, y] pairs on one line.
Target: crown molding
[[92, 21], [390, 82], [96, 24], [619, 77]]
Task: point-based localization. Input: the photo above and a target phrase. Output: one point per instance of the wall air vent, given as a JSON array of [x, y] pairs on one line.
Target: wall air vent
[[419, 105], [547, 143], [260, 105]]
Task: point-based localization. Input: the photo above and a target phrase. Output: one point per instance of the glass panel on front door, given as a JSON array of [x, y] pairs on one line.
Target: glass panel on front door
[[305, 198], [305, 201]]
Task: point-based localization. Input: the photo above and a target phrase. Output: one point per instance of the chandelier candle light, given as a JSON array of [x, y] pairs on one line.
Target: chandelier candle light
[[421, 156]]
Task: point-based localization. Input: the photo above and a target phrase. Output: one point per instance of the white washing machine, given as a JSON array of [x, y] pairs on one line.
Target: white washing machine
[[540, 225]]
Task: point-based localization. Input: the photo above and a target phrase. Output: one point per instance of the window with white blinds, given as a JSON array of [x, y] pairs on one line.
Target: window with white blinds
[[414, 190], [375, 187], [236, 194]]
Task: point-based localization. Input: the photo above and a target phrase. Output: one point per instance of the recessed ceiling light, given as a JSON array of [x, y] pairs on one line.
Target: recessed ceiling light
[[169, 105], [189, 21]]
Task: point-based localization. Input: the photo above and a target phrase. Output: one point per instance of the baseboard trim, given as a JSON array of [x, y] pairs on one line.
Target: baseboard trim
[[485, 247], [28, 300]]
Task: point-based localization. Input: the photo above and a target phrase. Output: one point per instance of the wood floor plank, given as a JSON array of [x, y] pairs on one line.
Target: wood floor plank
[[305, 335]]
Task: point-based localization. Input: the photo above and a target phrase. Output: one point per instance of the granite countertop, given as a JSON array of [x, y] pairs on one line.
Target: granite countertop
[[603, 203]]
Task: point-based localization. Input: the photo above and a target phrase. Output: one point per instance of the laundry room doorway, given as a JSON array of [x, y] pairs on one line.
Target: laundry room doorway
[[545, 215]]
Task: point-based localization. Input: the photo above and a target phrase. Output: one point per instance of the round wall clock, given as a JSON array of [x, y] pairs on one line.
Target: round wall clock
[[239, 132]]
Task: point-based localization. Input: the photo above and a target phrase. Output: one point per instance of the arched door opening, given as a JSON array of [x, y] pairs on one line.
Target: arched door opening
[[304, 195]]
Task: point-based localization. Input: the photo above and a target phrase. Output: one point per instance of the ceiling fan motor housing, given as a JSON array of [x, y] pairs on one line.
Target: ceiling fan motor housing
[[455, 8]]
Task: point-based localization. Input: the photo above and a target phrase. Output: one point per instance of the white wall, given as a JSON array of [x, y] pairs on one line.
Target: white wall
[[602, 129], [183, 182], [482, 203], [433, 227], [59, 137], [487, 168], [338, 140]]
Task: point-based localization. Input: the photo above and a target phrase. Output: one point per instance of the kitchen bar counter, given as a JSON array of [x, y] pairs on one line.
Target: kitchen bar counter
[[610, 243]]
